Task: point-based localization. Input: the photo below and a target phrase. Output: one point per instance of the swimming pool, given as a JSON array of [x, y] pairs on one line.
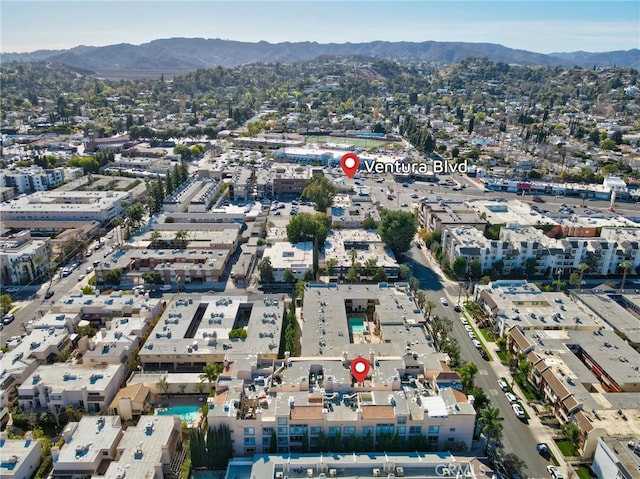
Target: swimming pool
[[357, 325], [186, 413]]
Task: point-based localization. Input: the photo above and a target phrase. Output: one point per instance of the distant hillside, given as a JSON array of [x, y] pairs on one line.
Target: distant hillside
[[188, 54]]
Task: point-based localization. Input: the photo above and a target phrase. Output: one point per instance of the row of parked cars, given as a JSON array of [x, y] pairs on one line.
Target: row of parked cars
[[513, 400], [474, 338]]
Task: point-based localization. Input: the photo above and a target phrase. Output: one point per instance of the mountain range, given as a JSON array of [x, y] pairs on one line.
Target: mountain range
[[188, 54]]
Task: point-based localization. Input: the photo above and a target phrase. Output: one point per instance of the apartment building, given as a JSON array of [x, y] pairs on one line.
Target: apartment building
[[99, 309], [88, 446], [35, 178], [194, 330], [523, 304], [313, 400], [298, 258], [617, 457], [60, 385], [23, 259], [352, 466], [71, 207], [349, 245], [20, 457], [152, 449]]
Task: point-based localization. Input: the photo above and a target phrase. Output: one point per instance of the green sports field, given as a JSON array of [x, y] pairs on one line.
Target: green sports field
[[357, 142]]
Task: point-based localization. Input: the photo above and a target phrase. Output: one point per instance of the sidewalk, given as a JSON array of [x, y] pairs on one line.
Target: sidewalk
[[539, 431]]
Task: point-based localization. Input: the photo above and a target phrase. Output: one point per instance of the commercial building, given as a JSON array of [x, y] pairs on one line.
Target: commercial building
[[20, 457], [435, 216]]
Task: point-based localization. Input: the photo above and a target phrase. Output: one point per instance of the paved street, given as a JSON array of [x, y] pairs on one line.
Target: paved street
[[517, 436]]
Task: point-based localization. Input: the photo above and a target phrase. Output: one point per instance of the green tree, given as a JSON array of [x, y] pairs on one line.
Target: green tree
[[485, 280], [491, 425], [135, 213], [369, 223], [475, 268], [530, 265], [112, 277], [5, 303], [331, 265], [321, 191], [288, 276], [467, 374], [397, 229], [501, 342], [380, 275], [582, 269], [459, 267], [572, 432], [306, 227], [210, 373], [266, 270], [429, 305], [608, 144], [238, 333]]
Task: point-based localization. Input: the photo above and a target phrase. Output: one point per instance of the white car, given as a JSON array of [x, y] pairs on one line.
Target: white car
[[468, 328], [444, 302], [463, 320], [477, 344], [503, 385], [555, 472], [511, 398], [519, 412]]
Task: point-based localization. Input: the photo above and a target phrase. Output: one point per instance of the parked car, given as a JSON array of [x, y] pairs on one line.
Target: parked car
[[555, 472], [444, 302], [511, 398], [8, 318], [503, 385], [48, 294], [518, 411], [477, 344]]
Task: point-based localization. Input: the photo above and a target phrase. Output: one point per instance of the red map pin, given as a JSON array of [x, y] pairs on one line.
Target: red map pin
[[360, 369], [350, 163]]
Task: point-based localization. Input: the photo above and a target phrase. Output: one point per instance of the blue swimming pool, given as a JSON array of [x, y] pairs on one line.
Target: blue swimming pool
[[357, 325], [186, 413]]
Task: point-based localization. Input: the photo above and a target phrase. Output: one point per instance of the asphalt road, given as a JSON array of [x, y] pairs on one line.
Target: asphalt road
[[517, 438]]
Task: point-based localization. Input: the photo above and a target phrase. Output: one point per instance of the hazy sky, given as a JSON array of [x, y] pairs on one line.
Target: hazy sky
[[535, 25]]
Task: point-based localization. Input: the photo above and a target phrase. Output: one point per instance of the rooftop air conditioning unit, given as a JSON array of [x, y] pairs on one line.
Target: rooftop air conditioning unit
[[376, 473]]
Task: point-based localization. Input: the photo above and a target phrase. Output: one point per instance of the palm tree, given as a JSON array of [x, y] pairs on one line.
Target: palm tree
[[491, 425], [181, 236], [211, 372], [429, 305], [582, 269], [626, 266], [154, 237]]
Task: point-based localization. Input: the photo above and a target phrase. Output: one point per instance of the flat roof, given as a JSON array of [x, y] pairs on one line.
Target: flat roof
[[326, 329], [355, 465], [606, 305], [142, 445], [87, 439], [180, 331]]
